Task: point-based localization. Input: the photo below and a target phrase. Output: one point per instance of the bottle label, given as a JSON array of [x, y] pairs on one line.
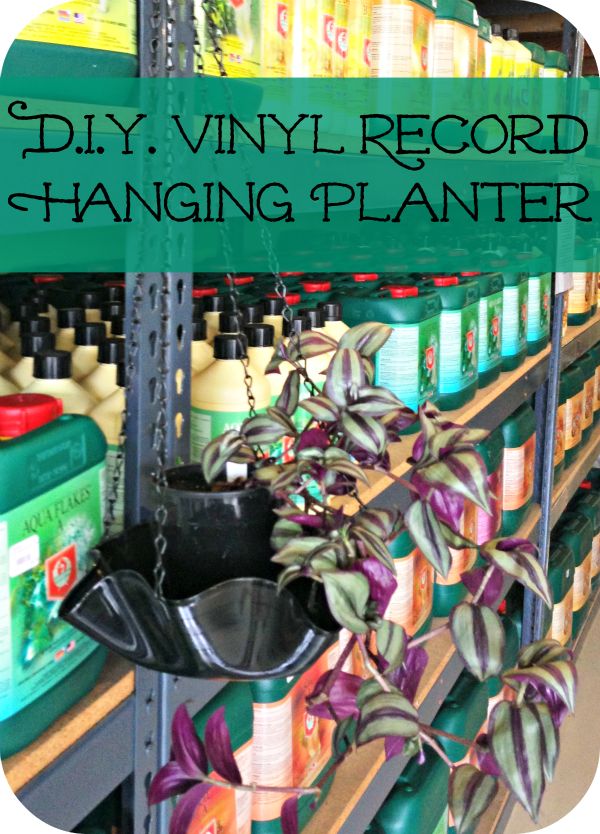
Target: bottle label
[[458, 349], [582, 585], [455, 54], [408, 362], [587, 415], [490, 328], [85, 23], [573, 417], [595, 568], [559, 446], [44, 551], [562, 619], [112, 454], [538, 307], [580, 295], [463, 559], [514, 319], [597, 389], [411, 602], [518, 475], [206, 425]]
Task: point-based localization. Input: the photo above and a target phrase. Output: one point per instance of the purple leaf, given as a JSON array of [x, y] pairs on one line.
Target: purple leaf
[[558, 709], [382, 582], [487, 763], [218, 746], [342, 696], [289, 816], [493, 590], [447, 505], [517, 544], [313, 439], [186, 807], [408, 677], [169, 781], [306, 519], [394, 745], [188, 750]]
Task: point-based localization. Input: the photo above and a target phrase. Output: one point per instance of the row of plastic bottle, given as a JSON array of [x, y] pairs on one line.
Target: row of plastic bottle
[[578, 407]]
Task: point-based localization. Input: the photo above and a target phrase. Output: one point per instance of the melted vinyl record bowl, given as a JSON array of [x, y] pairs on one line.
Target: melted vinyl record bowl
[[240, 629]]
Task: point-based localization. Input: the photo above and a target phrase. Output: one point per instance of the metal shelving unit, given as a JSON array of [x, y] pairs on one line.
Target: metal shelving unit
[[125, 736]]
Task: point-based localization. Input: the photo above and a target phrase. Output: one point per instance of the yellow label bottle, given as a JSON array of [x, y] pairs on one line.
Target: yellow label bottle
[[313, 36], [402, 38], [340, 43], [102, 382], [333, 324], [68, 319], [91, 301], [52, 376], [109, 417], [214, 305], [359, 38], [261, 341], [84, 358], [274, 315], [31, 344], [202, 354]]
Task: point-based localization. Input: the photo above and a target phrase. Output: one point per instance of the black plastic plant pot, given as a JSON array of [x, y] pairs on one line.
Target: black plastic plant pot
[[240, 629], [221, 535]]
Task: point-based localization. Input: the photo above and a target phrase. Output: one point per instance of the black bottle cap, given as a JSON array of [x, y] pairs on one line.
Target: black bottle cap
[[52, 364], [25, 310], [91, 299], [497, 29], [121, 375], [253, 313], [511, 34], [260, 335], [90, 333], [198, 330], [230, 346], [214, 303], [273, 306], [39, 301], [113, 294], [198, 308], [314, 315], [298, 324], [32, 343], [230, 322], [35, 325], [117, 326], [111, 351], [110, 309], [70, 316], [332, 311]]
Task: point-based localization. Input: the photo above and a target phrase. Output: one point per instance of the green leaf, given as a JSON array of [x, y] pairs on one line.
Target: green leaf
[[543, 651], [373, 546], [470, 793], [298, 551], [284, 420], [268, 474], [391, 641], [376, 402], [262, 429], [364, 432], [463, 473], [382, 523], [347, 467], [310, 343], [550, 738], [284, 531], [367, 338], [521, 565], [288, 575], [387, 714], [218, 452], [321, 408], [558, 675], [479, 637], [426, 532], [287, 401], [517, 744], [345, 376], [344, 732], [347, 596]]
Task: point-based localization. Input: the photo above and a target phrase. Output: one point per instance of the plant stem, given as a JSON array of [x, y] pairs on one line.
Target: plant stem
[[368, 665], [481, 589], [416, 641], [397, 479], [345, 654], [435, 746], [443, 734], [254, 788]]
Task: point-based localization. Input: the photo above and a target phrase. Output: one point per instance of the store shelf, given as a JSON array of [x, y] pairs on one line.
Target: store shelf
[[579, 339], [570, 479]]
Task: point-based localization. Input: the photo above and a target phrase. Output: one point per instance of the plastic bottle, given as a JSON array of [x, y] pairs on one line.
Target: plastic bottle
[[458, 375], [222, 810], [313, 37], [50, 523], [86, 38], [340, 42], [214, 305], [91, 301], [499, 64], [462, 714], [587, 365], [518, 431], [489, 525], [575, 530], [572, 381], [556, 64], [559, 444], [408, 363], [332, 317], [537, 59], [110, 310], [411, 603], [316, 292], [274, 315], [514, 319], [52, 376], [253, 313], [108, 415], [261, 340], [455, 39], [521, 58], [538, 309], [449, 591], [6, 362], [418, 802], [23, 311], [489, 354], [84, 358], [117, 327], [68, 319], [558, 622], [402, 38], [581, 294], [359, 38], [52, 287], [230, 322], [31, 326], [102, 381], [484, 49], [31, 344], [588, 504], [202, 353], [595, 351], [219, 394]]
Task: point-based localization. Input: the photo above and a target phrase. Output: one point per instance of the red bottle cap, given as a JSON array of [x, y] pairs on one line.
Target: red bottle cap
[[469, 274], [363, 277], [292, 298], [114, 284], [240, 280], [403, 292], [202, 292], [502, 607], [585, 485], [316, 286], [47, 279], [290, 274], [21, 413], [445, 280]]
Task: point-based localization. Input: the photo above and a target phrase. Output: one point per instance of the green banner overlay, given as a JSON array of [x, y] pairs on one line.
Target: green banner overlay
[[316, 175]]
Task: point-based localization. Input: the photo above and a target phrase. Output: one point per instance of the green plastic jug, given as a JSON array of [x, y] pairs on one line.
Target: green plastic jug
[[559, 443], [489, 354], [514, 319], [418, 802], [538, 308], [458, 375], [462, 714], [558, 621], [572, 380], [518, 432], [587, 502], [575, 530], [79, 38], [595, 351], [52, 516], [411, 603], [582, 295], [228, 811], [587, 365], [407, 363]]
